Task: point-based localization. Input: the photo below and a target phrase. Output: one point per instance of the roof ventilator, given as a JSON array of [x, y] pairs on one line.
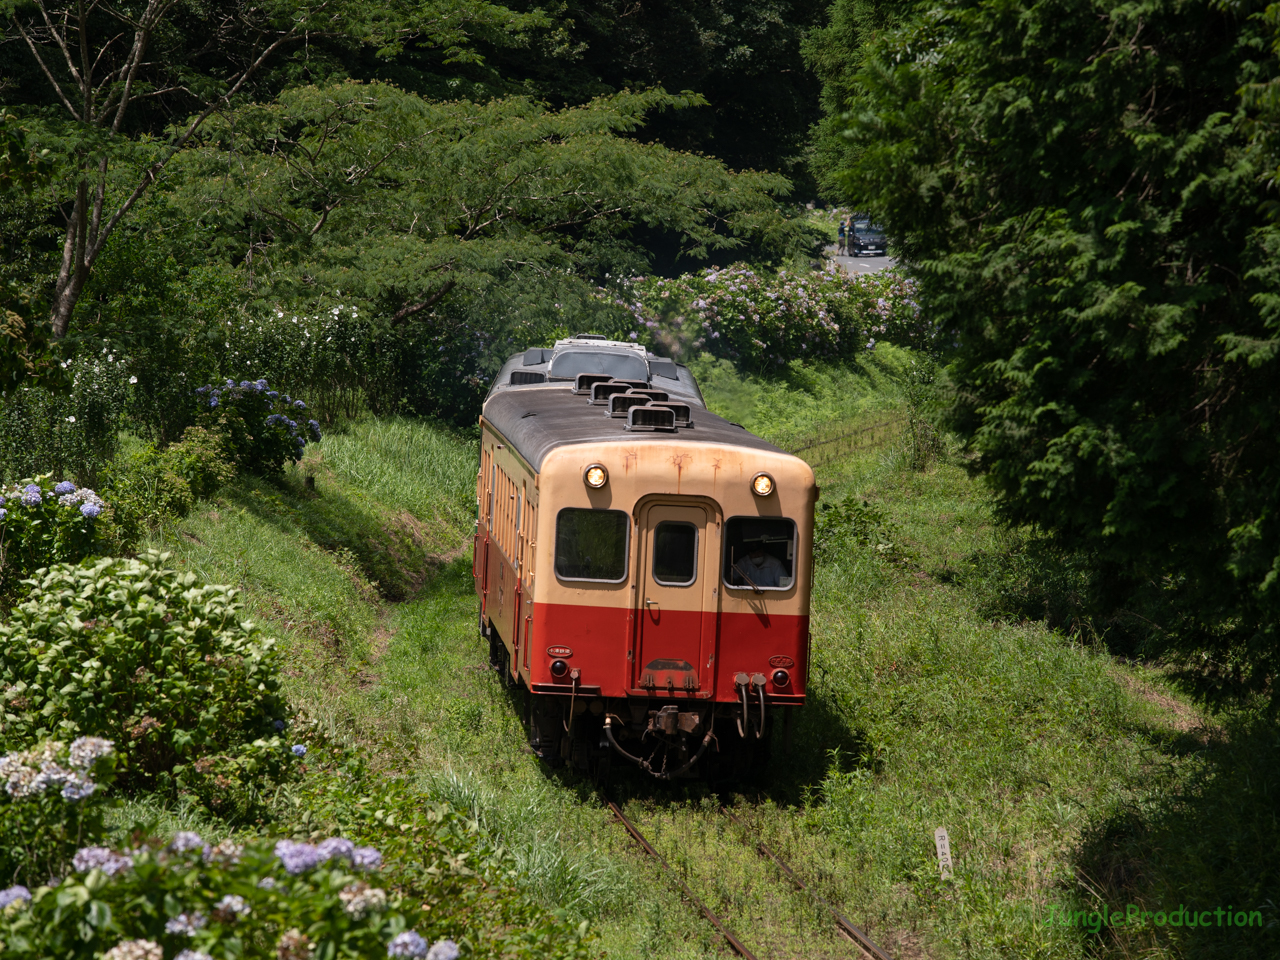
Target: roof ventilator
[[653, 395], [683, 414], [651, 418], [601, 392], [620, 403], [519, 377], [585, 381]]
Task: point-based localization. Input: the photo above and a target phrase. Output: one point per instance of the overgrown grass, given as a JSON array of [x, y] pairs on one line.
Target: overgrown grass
[[1062, 774]]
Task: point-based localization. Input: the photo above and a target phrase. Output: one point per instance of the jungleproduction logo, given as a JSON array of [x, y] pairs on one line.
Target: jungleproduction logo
[[1135, 917]]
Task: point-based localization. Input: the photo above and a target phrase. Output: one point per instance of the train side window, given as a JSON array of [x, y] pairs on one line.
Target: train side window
[[592, 544], [759, 553], [675, 553]]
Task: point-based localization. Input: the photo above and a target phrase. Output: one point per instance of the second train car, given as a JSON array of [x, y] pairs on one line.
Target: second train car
[[643, 565]]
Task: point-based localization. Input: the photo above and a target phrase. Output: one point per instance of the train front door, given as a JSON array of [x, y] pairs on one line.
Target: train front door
[[676, 603]]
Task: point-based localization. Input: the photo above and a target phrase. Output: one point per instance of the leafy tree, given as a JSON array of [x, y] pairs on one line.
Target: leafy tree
[[1084, 195], [395, 201], [835, 53], [136, 81]]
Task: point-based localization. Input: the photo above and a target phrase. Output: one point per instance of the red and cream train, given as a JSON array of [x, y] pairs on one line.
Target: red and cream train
[[643, 565]]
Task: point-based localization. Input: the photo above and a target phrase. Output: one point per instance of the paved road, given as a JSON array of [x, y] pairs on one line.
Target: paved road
[[861, 264]]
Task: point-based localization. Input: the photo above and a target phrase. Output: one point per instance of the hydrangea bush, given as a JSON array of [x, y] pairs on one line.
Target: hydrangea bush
[[43, 523], [765, 320], [51, 802], [190, 900], [263, 427], [134, 651]]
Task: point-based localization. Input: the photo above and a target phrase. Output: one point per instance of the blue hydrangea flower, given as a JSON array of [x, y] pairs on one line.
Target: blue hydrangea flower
[[298, 857], [443, 950], [31, 495], [13, 895], [407, 944], [3, 513], [65, 487], [231, 383], [205, 389], [244, 384], [79, 789], [90, 510], [299, 404], [272, 394], [315, 429], [366, 858], [336, 847], [299, 750], [260, 384], [213, 402], [279, 724]]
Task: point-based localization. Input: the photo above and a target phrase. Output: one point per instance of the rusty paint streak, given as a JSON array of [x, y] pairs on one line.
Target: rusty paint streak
[[679, 460]]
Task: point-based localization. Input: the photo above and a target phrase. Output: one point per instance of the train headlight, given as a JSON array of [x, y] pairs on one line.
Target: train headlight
[[595, 476], [762, 484], [559, 668], [781, 678]]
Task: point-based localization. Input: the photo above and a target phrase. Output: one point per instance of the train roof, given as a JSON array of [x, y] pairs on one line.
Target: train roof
[[539, 418], [594, 354]]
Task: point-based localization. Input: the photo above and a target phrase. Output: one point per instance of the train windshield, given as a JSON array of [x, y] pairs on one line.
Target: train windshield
[[760, 553], [592, 544], [621, 366]]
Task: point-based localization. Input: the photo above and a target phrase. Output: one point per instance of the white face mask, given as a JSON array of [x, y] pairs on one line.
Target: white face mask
[[758, 561]]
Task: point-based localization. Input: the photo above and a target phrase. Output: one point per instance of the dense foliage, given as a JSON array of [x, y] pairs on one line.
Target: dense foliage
[[764, 321], [44, 523], [51, 803], [138, 653], [1081, 187]]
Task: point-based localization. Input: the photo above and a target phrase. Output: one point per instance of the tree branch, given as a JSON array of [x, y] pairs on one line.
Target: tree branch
[[406, 312], [40, 60]]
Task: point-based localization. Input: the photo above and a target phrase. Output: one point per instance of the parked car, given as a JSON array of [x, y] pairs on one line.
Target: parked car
[[866, 239]]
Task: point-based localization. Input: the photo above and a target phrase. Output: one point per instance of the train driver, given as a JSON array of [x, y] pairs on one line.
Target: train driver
[[761, 568]]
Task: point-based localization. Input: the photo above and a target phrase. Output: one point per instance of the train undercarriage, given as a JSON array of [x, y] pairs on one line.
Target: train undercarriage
[[716, 742]]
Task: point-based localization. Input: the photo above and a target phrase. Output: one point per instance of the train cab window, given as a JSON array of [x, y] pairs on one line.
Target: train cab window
[[592, 544], [675, 553], [621, 366], [759, 553]]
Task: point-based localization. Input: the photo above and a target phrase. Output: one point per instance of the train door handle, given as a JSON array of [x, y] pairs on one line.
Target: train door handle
[[652, 604]]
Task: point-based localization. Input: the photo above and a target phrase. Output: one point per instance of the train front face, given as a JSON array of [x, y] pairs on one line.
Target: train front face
[[672, 602]]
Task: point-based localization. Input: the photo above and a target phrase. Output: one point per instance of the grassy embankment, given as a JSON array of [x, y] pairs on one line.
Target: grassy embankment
[[926, 708]]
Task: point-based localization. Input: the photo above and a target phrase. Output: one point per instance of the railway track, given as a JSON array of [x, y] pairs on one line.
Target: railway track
[[845, 927]]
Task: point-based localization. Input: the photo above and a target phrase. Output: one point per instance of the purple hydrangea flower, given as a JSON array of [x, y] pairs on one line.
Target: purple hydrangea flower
[[101, 858], [298, 857], [90, 510], [315, 429], [366, 858], [299, 404], [299, 750], [31, 495], [213, 402], [13, 895], [272, 394], [279, 724], [407, 944], [3, 513], [260, 384], [336, 847], [79, 789], [188, 923], [65, 487], [186, 840], [443, 950], [244, 384]]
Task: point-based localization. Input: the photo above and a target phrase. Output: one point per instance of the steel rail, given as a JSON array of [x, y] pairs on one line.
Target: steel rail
[[849, 929], [734, 943]]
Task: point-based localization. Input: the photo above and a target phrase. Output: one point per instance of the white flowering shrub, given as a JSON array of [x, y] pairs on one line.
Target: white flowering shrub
[[764, 320], [51, 802], [189, 900], [164, 666], [43, 523]]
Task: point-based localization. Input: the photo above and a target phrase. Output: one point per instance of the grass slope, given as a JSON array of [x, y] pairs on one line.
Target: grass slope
[[926, 707]]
